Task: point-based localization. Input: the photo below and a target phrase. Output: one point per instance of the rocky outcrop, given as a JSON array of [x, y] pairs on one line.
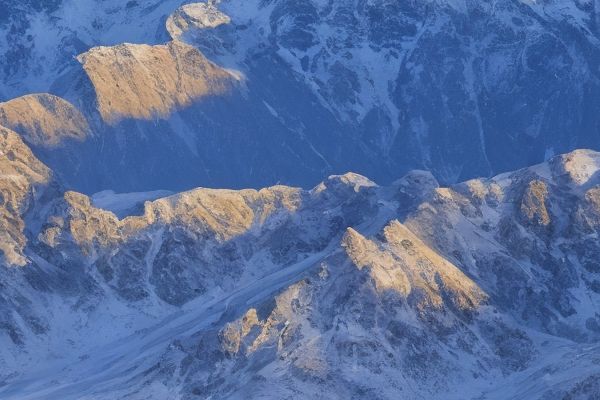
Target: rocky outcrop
[[195, 16], [404, 264], [533, 203], [22, 182], [330, 86], [44, 120], [217, 289], [148, 82]]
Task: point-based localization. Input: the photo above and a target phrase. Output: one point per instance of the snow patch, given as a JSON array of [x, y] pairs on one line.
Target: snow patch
[[124, 204]]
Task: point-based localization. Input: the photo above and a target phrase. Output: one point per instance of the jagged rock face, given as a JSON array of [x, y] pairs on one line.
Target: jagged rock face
[[195, 16], [481, 289], [370, 62], [40, 38], [349, 289], [330, 334], [331, 86], [359, 324], [537, 243], [147, 82], [407, 266], [22, 179]]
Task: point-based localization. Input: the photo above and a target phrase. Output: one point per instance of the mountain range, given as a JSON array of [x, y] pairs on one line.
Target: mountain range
[[483, 289], [470, 270], [291, 91]]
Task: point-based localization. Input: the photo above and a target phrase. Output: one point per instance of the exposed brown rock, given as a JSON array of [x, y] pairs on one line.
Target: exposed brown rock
[[146, 82], [533, 203], [43, 119], [407, 266], [20, 175]]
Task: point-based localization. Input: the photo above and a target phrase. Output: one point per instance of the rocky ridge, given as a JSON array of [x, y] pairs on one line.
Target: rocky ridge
[[44, 120], [148, 82], [311, 74], [482, 289], [288, 292]]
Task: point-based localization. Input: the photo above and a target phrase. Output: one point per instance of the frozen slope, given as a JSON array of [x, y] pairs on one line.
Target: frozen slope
[[347, 290], [292, 91]]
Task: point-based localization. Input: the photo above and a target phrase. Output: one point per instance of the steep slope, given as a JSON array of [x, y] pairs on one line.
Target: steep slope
[[483, 289], [44, 120], [23, 181], [146, 82], [318, 87], [537, 233], [347, 290], [193, 17], [41, 38]]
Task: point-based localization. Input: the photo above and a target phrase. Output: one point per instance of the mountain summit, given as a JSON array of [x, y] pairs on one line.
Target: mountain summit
[[347, 290], [468, 268], [291, 91]]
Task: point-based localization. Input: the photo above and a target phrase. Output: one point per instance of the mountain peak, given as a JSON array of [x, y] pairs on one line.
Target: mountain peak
[[148, 82], [195, 16], [347, 181], [581, 166], [44, 120]]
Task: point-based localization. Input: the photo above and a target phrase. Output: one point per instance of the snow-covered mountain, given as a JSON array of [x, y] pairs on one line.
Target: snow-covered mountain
[[483, 289], [119, 280], [291, 91]]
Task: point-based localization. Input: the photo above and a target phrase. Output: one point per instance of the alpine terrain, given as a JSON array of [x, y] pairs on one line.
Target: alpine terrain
[[290, 91], [469, 271]]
